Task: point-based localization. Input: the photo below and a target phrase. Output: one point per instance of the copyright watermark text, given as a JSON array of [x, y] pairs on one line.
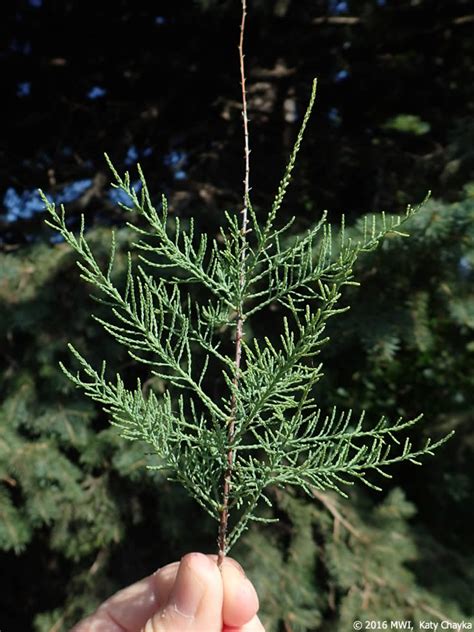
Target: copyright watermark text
[[406, 624]]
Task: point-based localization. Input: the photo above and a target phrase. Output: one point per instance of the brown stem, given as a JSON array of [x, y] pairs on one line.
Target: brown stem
[[224, 514]]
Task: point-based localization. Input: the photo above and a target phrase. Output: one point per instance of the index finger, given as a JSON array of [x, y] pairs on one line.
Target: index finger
[[129, 609]]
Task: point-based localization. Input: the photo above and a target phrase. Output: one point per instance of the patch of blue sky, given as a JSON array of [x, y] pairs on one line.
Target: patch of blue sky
[[464, 267], [119, 196], [342, 75], [337, 7], [21, 205], [57, 238], [96, 92], [28, 203], [334, 116], [175, 158], [73, 191], [23, 89], [132, 156]]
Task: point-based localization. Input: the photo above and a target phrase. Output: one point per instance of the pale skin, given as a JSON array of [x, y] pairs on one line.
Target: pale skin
[[192, 595]]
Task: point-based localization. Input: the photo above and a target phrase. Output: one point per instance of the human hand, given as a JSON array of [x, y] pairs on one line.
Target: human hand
[[186, 596]]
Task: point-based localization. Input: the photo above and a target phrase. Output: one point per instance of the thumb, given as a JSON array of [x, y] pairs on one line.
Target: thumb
[[196, 599]]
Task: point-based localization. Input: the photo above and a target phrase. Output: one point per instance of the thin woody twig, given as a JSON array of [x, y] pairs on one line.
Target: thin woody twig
[[354, 20], [224, 514], [348, 20], [338, 517]]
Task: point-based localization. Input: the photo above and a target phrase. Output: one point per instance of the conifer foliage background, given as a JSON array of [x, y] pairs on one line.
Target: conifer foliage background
[[79, 513]]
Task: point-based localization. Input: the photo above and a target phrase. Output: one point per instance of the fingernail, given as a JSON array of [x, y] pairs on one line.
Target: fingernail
[[190, 585]]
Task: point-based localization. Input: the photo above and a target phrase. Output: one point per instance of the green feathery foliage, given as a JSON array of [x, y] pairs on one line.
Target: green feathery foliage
[[343, 561], [281, 436]]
